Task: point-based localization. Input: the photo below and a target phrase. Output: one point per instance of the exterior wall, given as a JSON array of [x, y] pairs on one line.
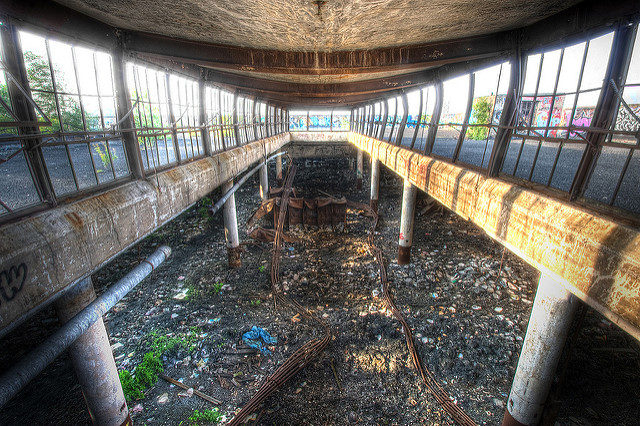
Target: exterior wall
[[319, 136], [595, 258], [42, 254]]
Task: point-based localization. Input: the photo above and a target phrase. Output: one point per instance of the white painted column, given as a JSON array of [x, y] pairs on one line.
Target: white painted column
[[93, 361], [549, 324], [231, 227], [375, 183], [405, 238], [264, 182], [360, 169]]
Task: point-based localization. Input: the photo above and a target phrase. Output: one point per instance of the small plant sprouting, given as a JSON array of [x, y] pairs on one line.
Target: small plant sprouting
[[203, 210], [205, 416], [262, 268], [256, 302], [144, 375], [217, 287]]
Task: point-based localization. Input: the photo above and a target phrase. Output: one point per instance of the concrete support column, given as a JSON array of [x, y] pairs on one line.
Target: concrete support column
[[375, 183], [360, 169], [409, 193], [93, 361], [547, 331], [264, 182], [279, 169], [231, 227]]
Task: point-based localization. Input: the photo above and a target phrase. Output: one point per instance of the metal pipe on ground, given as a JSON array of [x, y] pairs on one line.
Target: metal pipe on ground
[[35, 361], [405, 238], [93, 361], [550, 321]]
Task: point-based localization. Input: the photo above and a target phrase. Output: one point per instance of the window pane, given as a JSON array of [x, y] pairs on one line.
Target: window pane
[[63, 69], [597, 60], [606, 173], [624, 119], [413, 99], [568, 163], [627, 197], [102, 160], [456, 97], [17, 189], [531, 74], [82, 165], [86, 71], [119, 158], [479, 140], [59, 169], [550, 64], [570, 71]]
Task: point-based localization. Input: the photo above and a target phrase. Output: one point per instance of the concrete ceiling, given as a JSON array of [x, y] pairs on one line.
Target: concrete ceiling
[[336, 25], [322, 52]]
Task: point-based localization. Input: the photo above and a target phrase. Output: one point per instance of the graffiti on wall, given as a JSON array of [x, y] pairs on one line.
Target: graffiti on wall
[[12, 280]]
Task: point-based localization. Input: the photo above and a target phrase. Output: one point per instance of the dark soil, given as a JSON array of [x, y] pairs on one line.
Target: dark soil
[[467, 300]]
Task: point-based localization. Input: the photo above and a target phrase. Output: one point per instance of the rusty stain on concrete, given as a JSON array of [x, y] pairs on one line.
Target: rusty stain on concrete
[[63, 244], [596, 258]]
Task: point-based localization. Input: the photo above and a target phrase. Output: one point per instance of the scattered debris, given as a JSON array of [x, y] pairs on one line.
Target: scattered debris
[[259, 338], [190, 391]]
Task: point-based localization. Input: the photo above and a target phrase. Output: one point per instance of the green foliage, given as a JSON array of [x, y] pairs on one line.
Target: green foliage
[[203, 209], [66, 114], [255, 302], [205, 416], [102, 150], [191, 339], [70, 118], [481, 115], [217, 287], [145, 375], [162, 344], [131, 388], [262, 268]]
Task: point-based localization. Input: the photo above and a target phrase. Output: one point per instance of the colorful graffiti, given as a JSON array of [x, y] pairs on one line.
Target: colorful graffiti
[[298, 122]]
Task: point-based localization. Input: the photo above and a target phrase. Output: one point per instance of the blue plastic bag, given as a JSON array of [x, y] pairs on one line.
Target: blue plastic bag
[[258, 338]]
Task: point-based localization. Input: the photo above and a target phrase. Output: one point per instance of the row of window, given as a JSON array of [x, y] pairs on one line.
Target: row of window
[[74, 94], [336, 120], [458, 120]]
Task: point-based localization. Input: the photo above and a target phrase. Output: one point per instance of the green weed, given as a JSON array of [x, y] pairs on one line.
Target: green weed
[[203, 209], [217, 287], [145, 374], [205, 416]]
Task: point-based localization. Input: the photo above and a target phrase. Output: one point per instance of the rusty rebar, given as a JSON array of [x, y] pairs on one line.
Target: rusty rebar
[[442, 397], [306, 352]]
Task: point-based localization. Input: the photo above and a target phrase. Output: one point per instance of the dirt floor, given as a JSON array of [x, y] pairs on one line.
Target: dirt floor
[[467, 300]]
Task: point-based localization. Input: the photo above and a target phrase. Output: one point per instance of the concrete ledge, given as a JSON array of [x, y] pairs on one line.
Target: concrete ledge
[[319, 136], [321, 149], [596, 258], [42, 254]]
